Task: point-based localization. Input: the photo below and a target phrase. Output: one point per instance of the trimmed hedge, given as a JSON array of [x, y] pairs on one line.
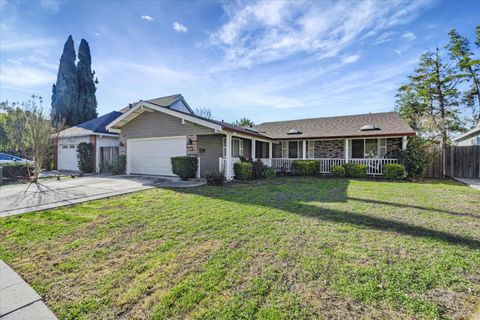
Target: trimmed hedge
[[337, 171], [243, 170], [305, 167], [13, 171], [119, 166], [355, 170], [268, 172], [185, 167], [394, 171], [215, 178]]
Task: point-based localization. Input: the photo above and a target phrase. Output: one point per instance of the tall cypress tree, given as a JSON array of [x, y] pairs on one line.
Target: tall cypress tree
[[65, 90], [87, 102]]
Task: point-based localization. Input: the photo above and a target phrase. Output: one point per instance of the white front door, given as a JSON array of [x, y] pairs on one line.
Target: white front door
[[152, 155]]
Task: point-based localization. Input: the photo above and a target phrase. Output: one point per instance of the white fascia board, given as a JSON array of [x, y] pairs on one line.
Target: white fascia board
[[246, 136], [466, 134], [170, 112]]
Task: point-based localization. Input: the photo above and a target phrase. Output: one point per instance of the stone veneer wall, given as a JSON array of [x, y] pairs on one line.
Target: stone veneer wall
[[329, 149], [192, 146], [393, 146], [122, 149]]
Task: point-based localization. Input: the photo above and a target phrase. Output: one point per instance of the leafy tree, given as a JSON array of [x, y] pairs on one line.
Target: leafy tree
[[87, 102], [65, 90], [37, 137], [415, 158], [411, 107], [13, 127], [204, 112], [433, 96], [462, 55], [243, 122]]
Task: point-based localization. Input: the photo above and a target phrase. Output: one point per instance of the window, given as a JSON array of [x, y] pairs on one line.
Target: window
[[72, 146], [357, 148], [369, 148], [310, 149], [382, 147], [293, 149], [237, 147]]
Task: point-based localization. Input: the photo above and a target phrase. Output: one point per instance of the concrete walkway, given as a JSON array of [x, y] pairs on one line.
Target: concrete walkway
[[18, 301], [474, 183], [21, 198]]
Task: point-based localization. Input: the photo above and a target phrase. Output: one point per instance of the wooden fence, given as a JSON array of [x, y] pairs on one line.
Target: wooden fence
[[108, 155], [461, 162]]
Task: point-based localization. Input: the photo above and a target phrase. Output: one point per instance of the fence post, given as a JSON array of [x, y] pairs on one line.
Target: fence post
[[1, 176]]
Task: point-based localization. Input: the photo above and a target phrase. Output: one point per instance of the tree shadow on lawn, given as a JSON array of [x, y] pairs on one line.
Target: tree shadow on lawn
[[294, 197]]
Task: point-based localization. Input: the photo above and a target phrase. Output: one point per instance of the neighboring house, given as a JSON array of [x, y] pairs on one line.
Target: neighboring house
[[151, 132], [469, 138], [93, 131]]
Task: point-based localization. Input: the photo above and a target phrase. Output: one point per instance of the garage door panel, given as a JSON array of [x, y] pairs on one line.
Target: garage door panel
[[152, 156]]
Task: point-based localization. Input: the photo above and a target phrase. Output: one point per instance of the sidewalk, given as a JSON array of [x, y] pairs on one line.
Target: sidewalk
[[474, 183], [18, 301]]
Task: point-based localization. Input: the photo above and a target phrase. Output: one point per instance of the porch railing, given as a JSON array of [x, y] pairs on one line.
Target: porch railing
[[374, 166]]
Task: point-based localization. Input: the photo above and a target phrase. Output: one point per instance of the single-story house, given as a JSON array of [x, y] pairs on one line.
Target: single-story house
[[469, 138], [93, 131], [151, 133]]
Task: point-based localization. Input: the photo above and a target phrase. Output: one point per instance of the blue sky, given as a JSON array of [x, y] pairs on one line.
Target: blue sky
[[267, 60]]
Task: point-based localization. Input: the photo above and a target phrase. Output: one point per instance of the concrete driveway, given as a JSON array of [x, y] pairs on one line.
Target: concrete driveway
[[17, 199]]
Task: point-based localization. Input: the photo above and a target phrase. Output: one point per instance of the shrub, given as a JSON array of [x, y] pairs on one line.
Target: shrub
[[85, 157], [394, 171], [415, 158], [185, 167], [243, 170], [305, 167], [118, 166], [215, 178], [337, 171], [268, 172], [257, 169], [13, 171], [355, 170]]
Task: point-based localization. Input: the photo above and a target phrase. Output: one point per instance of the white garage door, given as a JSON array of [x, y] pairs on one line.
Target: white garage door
[[67, 153], [152, 156]]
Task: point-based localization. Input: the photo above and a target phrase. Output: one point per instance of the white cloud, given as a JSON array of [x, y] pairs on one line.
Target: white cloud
[[19, 75], [177, 26], [410, 36], [97, 34], [266, 31], [147, 18], [25, 43], [398, 52], [350, 59]]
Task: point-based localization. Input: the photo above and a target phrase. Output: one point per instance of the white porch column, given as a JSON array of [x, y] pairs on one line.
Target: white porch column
[[270, 153], [304, 149], [347, 150], [253, 149], [404, 143], [228, 157]]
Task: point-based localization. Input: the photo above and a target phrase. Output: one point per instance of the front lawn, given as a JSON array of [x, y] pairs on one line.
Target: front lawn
[[291, 248]]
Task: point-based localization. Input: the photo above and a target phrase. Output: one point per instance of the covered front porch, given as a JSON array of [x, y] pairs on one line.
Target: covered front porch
[[372, 152]]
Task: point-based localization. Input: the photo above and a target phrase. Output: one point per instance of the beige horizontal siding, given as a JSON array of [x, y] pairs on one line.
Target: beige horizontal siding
[[157, 124]]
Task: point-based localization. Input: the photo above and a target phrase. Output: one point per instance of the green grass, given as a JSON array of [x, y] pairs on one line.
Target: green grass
[[290, 248]]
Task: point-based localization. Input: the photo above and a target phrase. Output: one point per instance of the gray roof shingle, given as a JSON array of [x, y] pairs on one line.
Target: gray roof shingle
[[388, 123]]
